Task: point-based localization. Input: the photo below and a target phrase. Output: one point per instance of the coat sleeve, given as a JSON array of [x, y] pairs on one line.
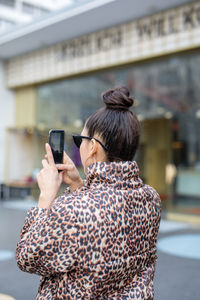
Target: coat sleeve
[[48, 240]]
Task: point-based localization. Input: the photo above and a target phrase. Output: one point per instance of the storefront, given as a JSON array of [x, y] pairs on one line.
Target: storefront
[[158, 58]]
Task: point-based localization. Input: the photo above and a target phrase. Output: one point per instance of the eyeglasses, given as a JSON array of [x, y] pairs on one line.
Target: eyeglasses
[[78, 140]]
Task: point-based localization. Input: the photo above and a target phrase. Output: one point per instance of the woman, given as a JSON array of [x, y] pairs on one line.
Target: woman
[[97, 240]]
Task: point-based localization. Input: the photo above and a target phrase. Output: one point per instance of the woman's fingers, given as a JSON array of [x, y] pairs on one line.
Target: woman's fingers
[[61, 175], [65, 167], [66, 159], [45, 163], [49, 154]]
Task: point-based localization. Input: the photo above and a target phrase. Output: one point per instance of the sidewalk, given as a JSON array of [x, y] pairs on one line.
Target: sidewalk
[[177, 273], [176, 278]]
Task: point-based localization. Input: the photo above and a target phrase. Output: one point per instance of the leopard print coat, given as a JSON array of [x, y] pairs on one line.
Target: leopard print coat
[[98, 242]]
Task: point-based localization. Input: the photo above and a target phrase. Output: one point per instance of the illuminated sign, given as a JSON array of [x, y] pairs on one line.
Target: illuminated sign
[[166, 24], [87, 45]]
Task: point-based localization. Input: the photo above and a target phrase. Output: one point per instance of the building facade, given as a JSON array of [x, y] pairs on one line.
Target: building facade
[[157, 56]]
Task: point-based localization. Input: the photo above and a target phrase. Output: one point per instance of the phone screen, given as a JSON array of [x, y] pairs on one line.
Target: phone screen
[[56, 141]]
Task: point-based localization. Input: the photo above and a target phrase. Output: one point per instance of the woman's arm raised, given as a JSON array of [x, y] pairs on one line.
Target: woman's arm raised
[[49, 180], [48, 241]]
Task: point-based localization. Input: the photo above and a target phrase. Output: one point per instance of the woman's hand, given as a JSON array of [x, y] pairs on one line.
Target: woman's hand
[[71, 175], [49, 180]]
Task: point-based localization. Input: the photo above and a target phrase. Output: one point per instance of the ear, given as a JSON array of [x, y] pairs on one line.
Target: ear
[[92, 148]]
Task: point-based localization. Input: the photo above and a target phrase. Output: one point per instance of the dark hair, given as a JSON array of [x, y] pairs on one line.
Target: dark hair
[[118, 126]]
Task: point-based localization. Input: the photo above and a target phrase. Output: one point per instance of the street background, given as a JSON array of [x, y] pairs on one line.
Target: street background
[[56, 58]]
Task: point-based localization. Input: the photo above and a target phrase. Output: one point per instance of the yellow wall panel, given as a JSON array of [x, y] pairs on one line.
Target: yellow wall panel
[[156, 152], [25, 107]]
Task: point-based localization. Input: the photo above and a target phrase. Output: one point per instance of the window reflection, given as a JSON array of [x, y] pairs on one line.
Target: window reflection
[[168, 104]]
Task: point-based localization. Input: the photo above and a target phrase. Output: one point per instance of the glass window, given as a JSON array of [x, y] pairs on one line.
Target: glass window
[[167, 102], [6, 22], [5, 25], [43, 10], [32, 9], [10, 3], [28, 8], [68, 103]]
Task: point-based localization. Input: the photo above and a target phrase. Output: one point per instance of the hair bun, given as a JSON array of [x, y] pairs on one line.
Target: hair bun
[[117, 98]]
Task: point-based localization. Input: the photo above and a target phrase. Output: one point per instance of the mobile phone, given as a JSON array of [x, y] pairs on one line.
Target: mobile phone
[[56, 142]]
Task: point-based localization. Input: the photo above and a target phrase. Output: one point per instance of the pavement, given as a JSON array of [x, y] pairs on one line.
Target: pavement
[[177, 272]]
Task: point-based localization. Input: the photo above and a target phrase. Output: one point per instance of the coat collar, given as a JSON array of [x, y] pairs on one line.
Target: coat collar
[[120, 174]]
